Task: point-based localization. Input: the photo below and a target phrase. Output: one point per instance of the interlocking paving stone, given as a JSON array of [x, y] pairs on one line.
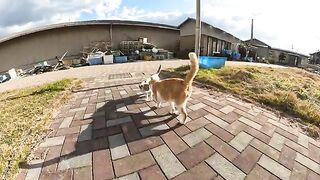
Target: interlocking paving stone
[[118, 121], [287, 157], [99, 123], [85, 132], [118, 146], [130, 131], [85, 101], [82, 173], [254, 111], [284, 127], [226, 169], [286, 134], [303, 140], [78, 109], [123, 92], [241, 141], [264, 148], [196, 137], [67, 174], [102, 165], [227, 109], [268, 129], [197, 106], [247, 159], [181, 130], [169, 164], [210, 99], [152, 173], [197, 114], [133, 176], [107, 91], [75, 161], [34, 173], [197, 123], [223, 148], [312, 175], [260, 173], [308, 163], [216, 120], [66, 122], [297, 147], [175, 143], [69, 145], [100, 105], [274, 167], [133, 163], [216, 130], [195, 155], [54, 141], [314, 153], [250, 123], [153, 129], [298, 172], [99, 113], [277, 141], [258, 135], [121, 107], [201, 171], [67, 131], [144, 144], [236, 127], [52, 158], [230, 117]]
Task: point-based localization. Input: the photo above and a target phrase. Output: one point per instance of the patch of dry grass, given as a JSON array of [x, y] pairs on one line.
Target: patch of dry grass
[[23, 117], [293, 91]]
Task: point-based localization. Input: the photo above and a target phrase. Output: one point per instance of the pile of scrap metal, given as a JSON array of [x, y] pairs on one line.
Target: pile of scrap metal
[[39, 68], [142, 49], [43, 67], [11, 74], [96, 53]]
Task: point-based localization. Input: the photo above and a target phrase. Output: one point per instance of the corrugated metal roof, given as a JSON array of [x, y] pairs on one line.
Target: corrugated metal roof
[[207, 24], [87, 23], [289, 52]]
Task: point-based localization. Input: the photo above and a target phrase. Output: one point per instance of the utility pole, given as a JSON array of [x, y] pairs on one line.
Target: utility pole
[[198, 28], [251, 40]]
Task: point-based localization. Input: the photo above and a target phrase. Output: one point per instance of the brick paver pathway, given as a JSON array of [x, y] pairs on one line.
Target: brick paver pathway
[[108, 131]]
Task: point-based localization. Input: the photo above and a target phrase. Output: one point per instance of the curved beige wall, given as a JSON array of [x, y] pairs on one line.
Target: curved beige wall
[[45, 45]]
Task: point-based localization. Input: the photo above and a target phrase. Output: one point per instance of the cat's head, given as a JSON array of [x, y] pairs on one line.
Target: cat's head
[[144, 85]]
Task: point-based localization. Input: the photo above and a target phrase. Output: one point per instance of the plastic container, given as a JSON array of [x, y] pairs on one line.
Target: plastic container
[[208, 62], [95, 59], [120, 59], [108, 59], [12, 73], [236, 56]]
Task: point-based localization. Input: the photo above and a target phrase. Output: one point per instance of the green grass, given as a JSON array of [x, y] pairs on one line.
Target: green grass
[[23, 117], [293, 91]]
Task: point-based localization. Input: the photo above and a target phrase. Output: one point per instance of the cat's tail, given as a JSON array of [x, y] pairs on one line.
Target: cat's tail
[[194, 67]]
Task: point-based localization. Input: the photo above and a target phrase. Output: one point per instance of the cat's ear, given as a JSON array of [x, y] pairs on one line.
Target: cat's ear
[[159, 69]]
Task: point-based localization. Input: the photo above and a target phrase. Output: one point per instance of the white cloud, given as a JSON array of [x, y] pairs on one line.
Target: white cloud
[[26, 14], [278, 23]]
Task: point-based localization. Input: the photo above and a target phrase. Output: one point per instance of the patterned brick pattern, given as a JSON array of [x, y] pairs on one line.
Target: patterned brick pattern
[[108, 131]]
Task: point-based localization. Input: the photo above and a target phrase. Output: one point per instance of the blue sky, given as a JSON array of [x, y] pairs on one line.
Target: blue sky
[[283, 24]]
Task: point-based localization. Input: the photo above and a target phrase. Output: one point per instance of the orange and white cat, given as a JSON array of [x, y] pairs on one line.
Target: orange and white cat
[[175, 90]]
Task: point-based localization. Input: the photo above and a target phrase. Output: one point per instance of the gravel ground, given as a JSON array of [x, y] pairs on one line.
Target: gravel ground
[[147, 67]]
